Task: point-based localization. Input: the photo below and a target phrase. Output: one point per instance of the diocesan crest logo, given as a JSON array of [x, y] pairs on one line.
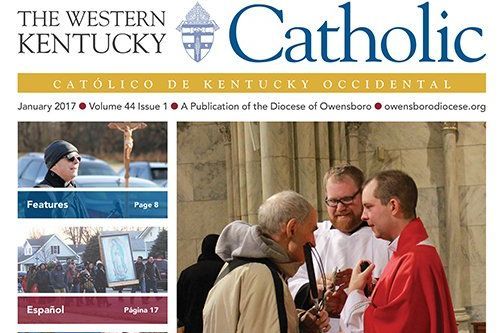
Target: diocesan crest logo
[[198, 32]]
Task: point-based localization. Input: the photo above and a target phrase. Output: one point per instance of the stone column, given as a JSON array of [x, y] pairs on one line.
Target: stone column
[[353, 143], [253, 170], [242, 171], [322, 165], [277, 168], [226, 137], [235, 172], [343, 142], [338, 143], [453, 228], [307, 184]]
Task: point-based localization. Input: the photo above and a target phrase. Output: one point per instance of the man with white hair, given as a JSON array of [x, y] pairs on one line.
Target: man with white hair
[[251, 294]]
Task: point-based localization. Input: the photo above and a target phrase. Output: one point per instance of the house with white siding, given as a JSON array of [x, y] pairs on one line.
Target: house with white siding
[[47, 248]]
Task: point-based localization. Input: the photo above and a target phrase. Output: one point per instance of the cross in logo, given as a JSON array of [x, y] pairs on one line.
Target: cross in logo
[[197, 32]]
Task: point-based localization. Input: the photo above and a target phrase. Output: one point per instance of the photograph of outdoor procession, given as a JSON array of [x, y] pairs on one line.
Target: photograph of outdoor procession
[[380, 225], [93, 260], [92, 154]]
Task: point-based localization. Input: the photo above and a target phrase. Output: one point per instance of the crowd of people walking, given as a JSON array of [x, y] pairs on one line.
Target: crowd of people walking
[[89, 277], [54, 278]]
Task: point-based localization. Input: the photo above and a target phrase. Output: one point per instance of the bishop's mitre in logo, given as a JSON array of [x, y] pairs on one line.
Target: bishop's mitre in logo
[[198, 32]]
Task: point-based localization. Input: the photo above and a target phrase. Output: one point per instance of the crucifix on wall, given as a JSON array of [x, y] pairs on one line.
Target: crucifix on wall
[[128, 142]]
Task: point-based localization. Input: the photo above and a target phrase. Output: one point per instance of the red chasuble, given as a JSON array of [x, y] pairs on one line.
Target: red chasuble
[[412, 295]]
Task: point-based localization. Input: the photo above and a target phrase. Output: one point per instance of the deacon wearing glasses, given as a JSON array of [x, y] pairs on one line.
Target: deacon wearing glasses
[[341, 242], [62, 160]]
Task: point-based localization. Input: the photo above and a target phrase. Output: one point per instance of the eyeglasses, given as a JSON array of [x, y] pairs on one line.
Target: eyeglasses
[[333, 203], [72, 158]]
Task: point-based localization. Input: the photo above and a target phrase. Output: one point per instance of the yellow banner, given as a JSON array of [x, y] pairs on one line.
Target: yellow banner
[[252, 82]]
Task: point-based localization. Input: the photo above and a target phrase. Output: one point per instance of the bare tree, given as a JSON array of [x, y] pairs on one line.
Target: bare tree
[[35, 234], [92, 138], [80, 235], [89, 232], [44, 255], [73, 234]]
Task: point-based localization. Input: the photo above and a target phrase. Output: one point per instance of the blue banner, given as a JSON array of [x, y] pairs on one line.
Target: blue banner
[[92, 204]]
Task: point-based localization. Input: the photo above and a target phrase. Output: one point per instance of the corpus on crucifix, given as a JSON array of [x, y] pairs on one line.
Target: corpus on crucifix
[[128, 142]]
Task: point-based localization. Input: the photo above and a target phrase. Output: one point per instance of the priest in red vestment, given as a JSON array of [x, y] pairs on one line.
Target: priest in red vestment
[[412, 295]]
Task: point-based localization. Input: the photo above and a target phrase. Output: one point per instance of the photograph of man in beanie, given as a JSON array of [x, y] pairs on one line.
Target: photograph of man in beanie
[[62, 161]]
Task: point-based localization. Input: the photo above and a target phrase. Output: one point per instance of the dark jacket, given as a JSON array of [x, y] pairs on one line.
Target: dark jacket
[[152, 272], [43, 281], [58, 278], [100, 280], [192, 289], [139, 269], [53, 180], [76, 207], [30, 280]]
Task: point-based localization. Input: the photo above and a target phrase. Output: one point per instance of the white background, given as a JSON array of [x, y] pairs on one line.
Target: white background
[[261, 33]]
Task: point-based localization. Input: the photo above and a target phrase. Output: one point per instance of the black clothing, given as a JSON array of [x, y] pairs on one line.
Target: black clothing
[[58, 278], [75, 209], [152, 275], [151, 271], [53, 180], [139, 269], [100, 281], [194, 284], [43, 281]]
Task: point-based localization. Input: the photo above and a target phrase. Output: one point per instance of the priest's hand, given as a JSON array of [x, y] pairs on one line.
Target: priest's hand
[[313, 321], [334, 281], [335, 300], [360, 279], [343, 277]]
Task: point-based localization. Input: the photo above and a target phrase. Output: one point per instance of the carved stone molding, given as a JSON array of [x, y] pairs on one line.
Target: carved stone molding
[[353, 126], [224, 129], [450, 126]]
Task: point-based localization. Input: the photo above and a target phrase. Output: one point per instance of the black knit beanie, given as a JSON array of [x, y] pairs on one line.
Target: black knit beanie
[[57, 150]]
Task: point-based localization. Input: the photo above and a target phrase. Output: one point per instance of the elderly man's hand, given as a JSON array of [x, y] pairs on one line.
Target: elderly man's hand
[[314, 322], [360, 279], [321, 286]]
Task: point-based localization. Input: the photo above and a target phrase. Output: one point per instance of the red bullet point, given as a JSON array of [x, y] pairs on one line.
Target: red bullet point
[[174, 106], [82, 106], [378, 106]]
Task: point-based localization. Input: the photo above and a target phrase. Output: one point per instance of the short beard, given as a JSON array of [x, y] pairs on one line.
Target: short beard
[[346, 226]]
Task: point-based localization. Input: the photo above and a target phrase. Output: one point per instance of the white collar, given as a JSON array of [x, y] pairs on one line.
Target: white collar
[[393, 246]]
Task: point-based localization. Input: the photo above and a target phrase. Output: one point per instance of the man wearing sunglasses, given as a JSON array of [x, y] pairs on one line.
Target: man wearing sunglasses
[[62, 160], [340, 242]]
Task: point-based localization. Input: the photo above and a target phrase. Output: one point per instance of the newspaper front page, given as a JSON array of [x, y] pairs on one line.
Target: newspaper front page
[[140, 128]]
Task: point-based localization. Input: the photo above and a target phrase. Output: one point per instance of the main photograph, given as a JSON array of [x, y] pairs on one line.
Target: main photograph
[[331, 226]]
